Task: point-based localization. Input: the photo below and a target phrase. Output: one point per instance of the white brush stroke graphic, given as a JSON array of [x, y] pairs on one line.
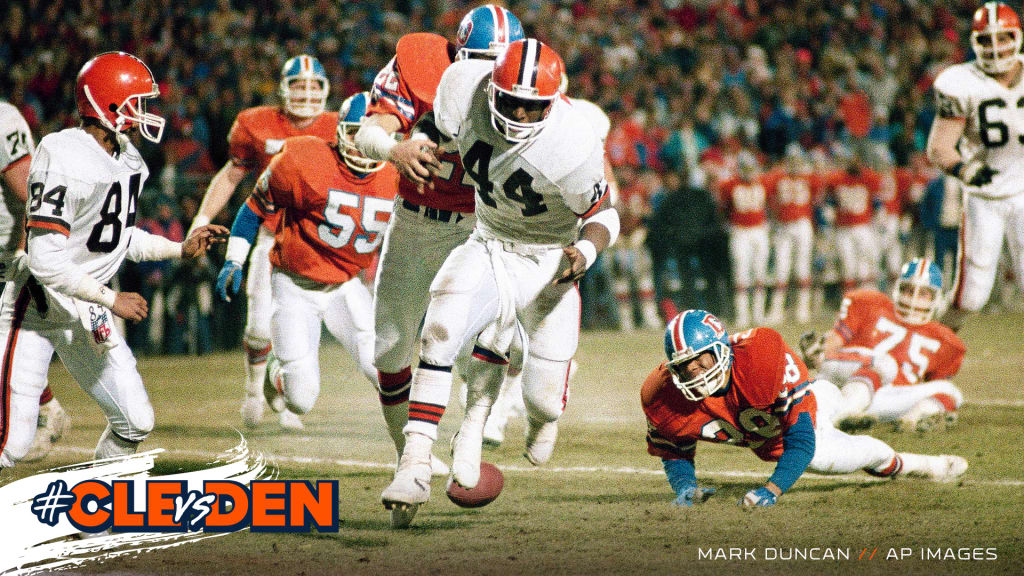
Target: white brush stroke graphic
[[27, 546]]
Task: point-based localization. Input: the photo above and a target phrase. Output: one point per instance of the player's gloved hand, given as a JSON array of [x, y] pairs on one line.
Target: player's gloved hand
[[230, 273], [693, 495], [975, 172], [812, 349], [759, 497]]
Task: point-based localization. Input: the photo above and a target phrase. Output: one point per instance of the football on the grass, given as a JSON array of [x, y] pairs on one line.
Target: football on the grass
[[486, 490]]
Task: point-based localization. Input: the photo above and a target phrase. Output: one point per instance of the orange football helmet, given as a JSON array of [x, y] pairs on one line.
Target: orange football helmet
[[113, 88], [527, 75], [996, 37]]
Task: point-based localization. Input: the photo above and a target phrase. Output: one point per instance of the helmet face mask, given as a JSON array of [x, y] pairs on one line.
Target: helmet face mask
[[304, 87], [350, 118], [918, 292], [698, 335]]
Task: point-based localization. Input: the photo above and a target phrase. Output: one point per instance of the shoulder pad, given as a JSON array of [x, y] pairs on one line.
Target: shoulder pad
[[421, 58]]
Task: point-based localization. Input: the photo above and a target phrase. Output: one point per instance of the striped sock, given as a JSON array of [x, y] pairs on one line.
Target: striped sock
[[428, 397]]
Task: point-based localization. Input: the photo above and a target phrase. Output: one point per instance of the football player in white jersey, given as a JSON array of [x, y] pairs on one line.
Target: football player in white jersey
[[84, 186], [538, 168], [15, 157], [978, 137]]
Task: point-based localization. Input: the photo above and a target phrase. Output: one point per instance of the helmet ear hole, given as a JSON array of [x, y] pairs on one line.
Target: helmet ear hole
[[112, 107]]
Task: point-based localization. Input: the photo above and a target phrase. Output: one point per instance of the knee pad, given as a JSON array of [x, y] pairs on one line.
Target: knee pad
[[301, 383], [545, 388]]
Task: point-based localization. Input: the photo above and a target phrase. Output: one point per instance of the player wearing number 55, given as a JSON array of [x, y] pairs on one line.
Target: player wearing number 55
[[84, 186], [336, 205], [752, 390]]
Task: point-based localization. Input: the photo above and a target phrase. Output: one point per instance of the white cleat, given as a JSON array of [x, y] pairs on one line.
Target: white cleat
[[540, 441], [52, 424], [466, 448], [252, 410], [274, 396], [411, 484], [290, 420], [942, 468]]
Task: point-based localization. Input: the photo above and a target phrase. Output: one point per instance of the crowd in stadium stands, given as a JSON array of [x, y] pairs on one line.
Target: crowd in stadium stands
[[691, 87]]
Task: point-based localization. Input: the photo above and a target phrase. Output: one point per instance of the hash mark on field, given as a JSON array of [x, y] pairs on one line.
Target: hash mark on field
[[276, 458]]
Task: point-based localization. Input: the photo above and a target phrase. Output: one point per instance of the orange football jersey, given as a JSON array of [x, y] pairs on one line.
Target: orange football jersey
[[768, 390], [791, 196], [744, 202], [405, 88], [258, 133], [923, 352], [855, 196], [332, 221]]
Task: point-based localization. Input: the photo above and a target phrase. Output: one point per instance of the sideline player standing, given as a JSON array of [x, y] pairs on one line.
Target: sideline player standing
[[752, 390], [337, 205], [744, 202], [257, 134], [977, 137], [84, 190], [15, 156], [539, 170], [791, 195], [434, 213]]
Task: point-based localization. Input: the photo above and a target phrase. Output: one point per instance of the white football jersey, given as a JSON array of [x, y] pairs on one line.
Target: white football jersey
[[995, 123], [598, 119], [79, 190], [16, 144], [532, 191]]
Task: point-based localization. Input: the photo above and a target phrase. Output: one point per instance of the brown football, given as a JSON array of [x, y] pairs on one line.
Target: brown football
[[486, 490]]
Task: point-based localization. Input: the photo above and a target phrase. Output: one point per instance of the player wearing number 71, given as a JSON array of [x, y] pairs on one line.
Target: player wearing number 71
[[752, 390], [84, 188], [336, 205]]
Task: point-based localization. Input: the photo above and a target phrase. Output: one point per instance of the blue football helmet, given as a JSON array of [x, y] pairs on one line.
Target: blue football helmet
[[350, 116], [486, 31], [689, 335], [918, 292], [304, 86]]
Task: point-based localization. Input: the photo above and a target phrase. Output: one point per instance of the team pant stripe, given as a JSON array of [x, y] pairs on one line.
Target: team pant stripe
[[488, 356], [961, 258], [892, 469], [20, 306], [947, 401]]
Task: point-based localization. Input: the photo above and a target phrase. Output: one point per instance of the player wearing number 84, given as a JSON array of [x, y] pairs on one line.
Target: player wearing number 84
[[752, 390], [84, 186]]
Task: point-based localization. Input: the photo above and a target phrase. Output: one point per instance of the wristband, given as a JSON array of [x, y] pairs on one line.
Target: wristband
[[238, 249], [589, 251], [199, 221]]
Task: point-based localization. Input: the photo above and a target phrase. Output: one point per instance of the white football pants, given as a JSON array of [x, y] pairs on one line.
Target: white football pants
[[985, 223]]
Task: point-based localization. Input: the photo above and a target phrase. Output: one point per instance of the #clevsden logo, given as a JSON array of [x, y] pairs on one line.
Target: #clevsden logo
[[148, 505]]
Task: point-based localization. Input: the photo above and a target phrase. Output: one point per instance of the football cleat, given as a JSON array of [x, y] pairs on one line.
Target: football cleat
[[411, 484], [540, 441], [53, 423], [272, 388], [942, 468], [290, 420], [252, 410], [466, 452]]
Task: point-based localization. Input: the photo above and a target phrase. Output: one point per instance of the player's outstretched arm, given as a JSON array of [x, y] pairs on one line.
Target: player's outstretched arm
[[683, 479], [243, 234], [15, 183], [219, 193], [202, 238], [797, 451], [413, 157]]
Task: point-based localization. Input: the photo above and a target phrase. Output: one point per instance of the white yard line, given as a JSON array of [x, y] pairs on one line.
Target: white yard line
[[1001, 403], [845, 478]]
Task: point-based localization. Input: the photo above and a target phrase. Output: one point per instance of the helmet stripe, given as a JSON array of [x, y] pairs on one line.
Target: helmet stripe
[[528, 64], [500, 23], [993, 13], [677, 334]]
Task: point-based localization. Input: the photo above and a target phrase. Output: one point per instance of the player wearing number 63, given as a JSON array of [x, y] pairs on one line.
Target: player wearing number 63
[[335, 205], [752, 390], [538, 168], [891, 359], [84, 186], [978, 137]]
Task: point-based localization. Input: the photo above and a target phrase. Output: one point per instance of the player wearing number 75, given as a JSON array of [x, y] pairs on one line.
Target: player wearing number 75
[[752, 390], [84, 188], [336, 205], [891, 358]]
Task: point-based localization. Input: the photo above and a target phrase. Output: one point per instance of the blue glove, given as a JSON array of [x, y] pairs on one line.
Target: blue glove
[[231, 273], [693, 495], [759, 497]]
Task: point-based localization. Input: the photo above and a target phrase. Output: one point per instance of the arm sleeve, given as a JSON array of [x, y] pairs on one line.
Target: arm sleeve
[[17, 139], [145, 247], [52, 193], [797, 452], [51, 265], [681, 474], [950, 98]]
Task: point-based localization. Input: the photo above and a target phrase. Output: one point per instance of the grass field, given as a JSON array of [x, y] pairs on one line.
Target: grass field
[[602, 505]]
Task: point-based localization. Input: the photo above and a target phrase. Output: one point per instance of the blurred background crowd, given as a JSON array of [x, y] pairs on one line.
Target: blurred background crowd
[[690, 86]]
